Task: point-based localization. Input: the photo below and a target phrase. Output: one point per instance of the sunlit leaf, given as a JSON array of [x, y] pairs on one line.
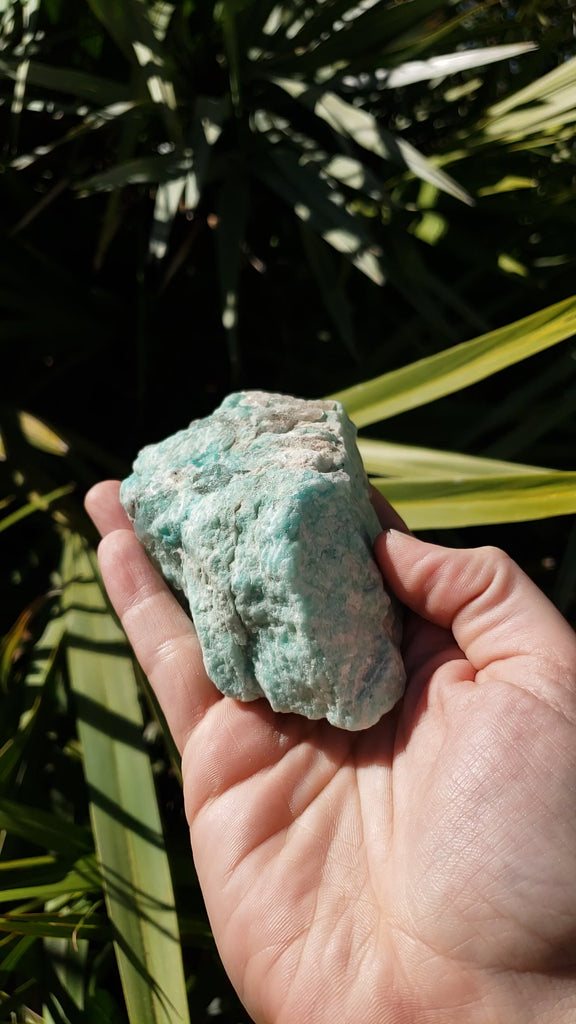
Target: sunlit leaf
[[91, 122], [161, 12], [123, 805], [539, 91], [71, 926], [319, 205], [37, 503], [42, 436], [458, 367], [364, 129], [509, 183], [96, 90], [383, 458], [438, 504], [435, 67], [168, 197], [510, 265], [343, 31], [186, 189], [543, 107], [130, 25], [163, 167], [84, 877]]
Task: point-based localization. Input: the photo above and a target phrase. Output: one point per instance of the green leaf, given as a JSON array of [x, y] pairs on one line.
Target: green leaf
[[124, 808], [544, 107], [99, 91], [435, 67], [83, 878], [384, 458], [163, 167], [474, 501], [192, 168], [364, 129], [458, 367], [130, 25], [539, 91], [14, 639], [160, 17], [321, 206], [41, 436], [44, 829], [90, 123], [70, 926], [168, 197], [37, 503], [17, 950], [344, 31]]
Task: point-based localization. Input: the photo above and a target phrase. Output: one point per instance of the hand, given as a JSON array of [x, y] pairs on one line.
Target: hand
[[422, 870]]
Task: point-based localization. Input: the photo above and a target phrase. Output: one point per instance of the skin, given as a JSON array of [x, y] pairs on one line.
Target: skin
[[421, 871]]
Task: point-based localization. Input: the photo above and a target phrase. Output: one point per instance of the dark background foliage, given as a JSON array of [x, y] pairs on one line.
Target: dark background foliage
[[114, 347]]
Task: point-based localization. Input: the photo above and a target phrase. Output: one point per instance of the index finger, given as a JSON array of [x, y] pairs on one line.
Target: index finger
[[102, 504]]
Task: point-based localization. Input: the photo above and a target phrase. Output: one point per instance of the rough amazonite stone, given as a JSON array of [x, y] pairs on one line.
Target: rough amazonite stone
[[260, 514]]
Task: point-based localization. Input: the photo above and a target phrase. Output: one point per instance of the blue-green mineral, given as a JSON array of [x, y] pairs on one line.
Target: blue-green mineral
[[260, 514]]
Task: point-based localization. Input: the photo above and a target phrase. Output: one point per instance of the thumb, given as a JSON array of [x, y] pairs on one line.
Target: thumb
[[495, 612]]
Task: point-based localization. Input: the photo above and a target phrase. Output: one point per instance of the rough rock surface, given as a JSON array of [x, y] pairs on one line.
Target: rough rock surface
[[260, 514]]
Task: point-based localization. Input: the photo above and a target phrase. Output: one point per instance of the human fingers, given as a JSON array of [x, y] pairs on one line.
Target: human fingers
[[388, 516], [161, 633], [102, 504], [502, 622]]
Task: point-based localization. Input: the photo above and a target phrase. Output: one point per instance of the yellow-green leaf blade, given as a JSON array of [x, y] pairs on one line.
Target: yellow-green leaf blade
[[37, 503], [458, 367], [72, 926], [385, 458], [124, 810], [474, 501]]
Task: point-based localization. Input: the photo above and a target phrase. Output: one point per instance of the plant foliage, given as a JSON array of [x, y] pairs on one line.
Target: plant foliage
[[372, 200]]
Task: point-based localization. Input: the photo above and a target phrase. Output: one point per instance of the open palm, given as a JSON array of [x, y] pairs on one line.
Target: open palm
[[421, 870]]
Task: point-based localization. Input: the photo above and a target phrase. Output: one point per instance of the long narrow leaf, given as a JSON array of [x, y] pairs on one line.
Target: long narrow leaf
[[473, 501], [94, 89], [191, 167], [383, 458], [130, 26], [83, 878], [366, 132], [141, 170], [44, 829], [37, 503], [457, 367], [556, 81], [45, 925], [124, 807], [367, 28], [168, 198], [443, 64], [313, 201]]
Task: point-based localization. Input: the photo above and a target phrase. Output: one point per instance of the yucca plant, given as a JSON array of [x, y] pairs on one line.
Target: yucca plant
[[220, 115], [64, 901], [333, 147]]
